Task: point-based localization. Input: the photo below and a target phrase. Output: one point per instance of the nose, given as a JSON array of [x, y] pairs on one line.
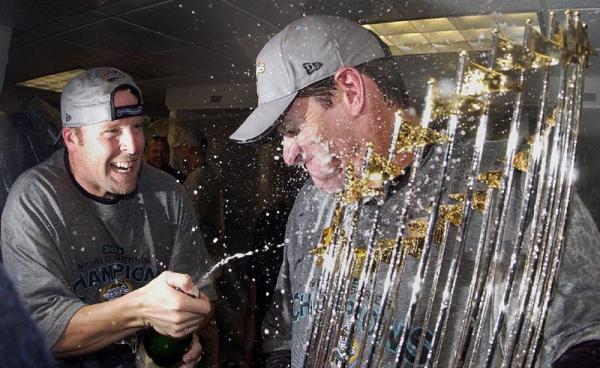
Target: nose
[[131, 140], [292, 152]]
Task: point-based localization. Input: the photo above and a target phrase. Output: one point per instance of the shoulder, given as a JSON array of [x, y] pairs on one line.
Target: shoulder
[[43, 181], [156, 180], [311, 195], [158, 187], [310, 202]]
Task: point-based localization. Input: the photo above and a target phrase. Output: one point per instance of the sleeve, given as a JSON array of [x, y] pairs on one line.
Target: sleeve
[[31, 258], [189, 253], [21, 344], [277, 325], [574, 316], [279, 359]]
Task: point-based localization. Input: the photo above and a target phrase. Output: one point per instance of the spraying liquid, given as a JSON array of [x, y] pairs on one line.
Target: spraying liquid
[[224, 261]]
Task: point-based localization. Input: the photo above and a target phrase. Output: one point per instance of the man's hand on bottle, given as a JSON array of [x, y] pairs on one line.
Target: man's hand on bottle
[[172, 304]]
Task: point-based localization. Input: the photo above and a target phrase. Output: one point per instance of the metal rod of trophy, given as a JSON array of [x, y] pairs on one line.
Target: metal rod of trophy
[[579, 60], [513, 58], [398, 253], [407, 138], [397, 147], [539, 235], [482, 306], [332, 237], [545, 230], [548, 249], [440, 258], [367, 274], [535, 170], [553, 275], [552, 232], [373, 262], [461, 238], [336, 325], [507, 183], [419, 277], [434, 216], [566, 178], [532, 262], [334, 316], [342, 254], [499, 219], [475, 286]]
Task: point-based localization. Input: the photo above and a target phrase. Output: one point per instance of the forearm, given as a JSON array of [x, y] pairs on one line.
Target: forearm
[[164, 303], [95, 326]]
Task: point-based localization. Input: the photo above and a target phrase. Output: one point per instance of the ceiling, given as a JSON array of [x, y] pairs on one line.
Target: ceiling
[[168, 43]]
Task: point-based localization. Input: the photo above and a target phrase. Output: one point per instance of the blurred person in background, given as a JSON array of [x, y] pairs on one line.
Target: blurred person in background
[[203, 185], [157, 155]]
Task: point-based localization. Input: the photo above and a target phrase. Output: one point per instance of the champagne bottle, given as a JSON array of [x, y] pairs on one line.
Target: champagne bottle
[[166, 351]]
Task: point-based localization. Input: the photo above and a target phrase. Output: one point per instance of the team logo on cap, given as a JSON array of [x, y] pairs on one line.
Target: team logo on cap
[[312, 67], [260, 67], [112, 75], [68, 117]]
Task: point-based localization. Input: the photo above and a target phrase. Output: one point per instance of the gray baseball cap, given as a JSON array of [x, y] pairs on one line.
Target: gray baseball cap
[[88, 98], [306, 51]]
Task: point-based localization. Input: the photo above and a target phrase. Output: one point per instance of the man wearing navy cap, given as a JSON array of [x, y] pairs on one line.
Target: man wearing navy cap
[[101, 245]]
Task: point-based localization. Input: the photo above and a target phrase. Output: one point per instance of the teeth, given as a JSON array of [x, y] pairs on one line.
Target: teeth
[[124, 165]]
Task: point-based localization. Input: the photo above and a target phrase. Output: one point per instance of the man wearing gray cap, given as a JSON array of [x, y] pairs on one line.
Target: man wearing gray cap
[[329, 86], [102, 246]]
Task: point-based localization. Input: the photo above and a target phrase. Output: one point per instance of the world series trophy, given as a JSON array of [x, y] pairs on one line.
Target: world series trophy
[[497, 230]]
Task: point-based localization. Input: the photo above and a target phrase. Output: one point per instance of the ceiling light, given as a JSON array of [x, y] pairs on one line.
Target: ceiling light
[[53, 82], [450, 34]]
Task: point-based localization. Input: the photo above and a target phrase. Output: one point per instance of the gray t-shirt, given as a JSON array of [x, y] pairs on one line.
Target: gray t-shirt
[[65, 249], [573, 316]]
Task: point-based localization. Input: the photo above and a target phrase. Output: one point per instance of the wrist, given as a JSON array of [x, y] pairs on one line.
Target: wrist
[[135, 309]]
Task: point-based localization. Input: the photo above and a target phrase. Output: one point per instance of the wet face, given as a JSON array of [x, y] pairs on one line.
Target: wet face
[[319, 140], [326, 141], [106, 158], [158, 153]]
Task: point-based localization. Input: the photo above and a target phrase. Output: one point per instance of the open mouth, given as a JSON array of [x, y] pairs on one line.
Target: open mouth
[[122, 166]]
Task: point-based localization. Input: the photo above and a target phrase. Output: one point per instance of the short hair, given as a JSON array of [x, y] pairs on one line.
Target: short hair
[[78, 132], [159, 139], [384, 72]]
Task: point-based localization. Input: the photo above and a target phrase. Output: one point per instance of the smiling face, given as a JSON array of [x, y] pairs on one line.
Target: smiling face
[[158, 153], [106, 158]]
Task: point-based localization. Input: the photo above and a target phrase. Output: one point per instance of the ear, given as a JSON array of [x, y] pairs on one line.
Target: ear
[[70, 138], [350, 83]]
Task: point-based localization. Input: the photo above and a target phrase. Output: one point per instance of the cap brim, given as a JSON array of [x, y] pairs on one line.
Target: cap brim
[[262, 120]]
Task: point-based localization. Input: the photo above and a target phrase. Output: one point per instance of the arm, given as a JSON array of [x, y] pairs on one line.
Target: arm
[[574, 316], [158, 304], [277, 324]]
